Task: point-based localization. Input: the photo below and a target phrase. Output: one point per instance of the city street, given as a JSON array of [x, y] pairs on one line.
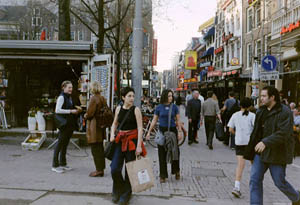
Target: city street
[[207, 177]]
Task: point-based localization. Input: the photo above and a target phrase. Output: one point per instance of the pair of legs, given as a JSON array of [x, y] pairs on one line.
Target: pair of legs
[[162, 156], [60, 151], [210, 126], [97, 150], [278, 173], [193, 130], [121, 187], [239, 169]]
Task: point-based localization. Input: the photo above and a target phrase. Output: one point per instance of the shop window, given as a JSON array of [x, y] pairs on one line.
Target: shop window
[[257, 15], [267, 47], [37, 36], [232, 51], [249, 55], [238, 23], [36, 21], [36, 12], [249, 19], [238, 50], [80, 36], [268, 9], [258, 49]]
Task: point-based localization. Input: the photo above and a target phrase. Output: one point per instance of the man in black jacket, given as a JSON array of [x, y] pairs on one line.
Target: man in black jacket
[[193, 113], [271, 146]]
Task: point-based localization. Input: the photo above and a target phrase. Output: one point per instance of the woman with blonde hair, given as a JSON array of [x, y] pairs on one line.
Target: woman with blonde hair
[[66, 110], [95, 133]]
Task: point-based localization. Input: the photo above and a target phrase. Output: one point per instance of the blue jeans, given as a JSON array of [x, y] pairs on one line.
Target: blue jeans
[[121, 186], [258, 170]]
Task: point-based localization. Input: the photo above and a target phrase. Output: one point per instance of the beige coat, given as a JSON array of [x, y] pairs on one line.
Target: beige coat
[[94, 133]]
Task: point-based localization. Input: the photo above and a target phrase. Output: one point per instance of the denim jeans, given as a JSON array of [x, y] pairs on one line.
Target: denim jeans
[[258, 170], [121, 186], [61, 147], [210, 126]]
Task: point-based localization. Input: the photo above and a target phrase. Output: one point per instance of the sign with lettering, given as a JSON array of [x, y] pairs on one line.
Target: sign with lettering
[[264, 76], [219, 50], [290, 28]]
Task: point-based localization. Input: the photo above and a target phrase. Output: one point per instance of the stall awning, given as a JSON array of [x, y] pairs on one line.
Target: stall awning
[[211, 32]]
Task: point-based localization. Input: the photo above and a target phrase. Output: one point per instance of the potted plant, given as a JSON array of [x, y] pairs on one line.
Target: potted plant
[[31, 119]]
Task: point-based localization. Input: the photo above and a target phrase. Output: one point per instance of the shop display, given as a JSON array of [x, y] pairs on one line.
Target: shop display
[[101, 74], [34, 141]]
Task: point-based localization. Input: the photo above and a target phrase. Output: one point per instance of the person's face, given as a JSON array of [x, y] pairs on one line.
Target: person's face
[[196, 94], [265, 99], [170, 97], [129, 98], [68, 89]]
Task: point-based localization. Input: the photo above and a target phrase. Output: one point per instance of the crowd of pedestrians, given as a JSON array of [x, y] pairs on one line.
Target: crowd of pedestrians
[[266, 137]]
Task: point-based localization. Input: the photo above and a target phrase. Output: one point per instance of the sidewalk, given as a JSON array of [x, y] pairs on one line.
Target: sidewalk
[[207, 178]]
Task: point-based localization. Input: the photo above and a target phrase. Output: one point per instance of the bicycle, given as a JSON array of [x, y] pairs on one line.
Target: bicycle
[[147, 119]]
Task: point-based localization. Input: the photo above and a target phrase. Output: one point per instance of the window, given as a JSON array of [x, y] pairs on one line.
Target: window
[[238, 21], [72, 35], [268, 9], [258, 16], [36, 21], [73, 20], [258, 49], [267, 48], [249, 55], [232, 24], [249, 19], [232, 51], [36, 12], [227, 56], [37, 36], [80, 36]]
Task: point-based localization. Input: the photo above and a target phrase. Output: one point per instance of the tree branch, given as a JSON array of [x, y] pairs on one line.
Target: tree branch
[[108, 1], [83, 22], [90, 9]]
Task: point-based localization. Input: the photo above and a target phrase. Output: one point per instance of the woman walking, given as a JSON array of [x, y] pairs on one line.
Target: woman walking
[[161, 114], [66, 109], [241, 124], [129, 144], [96, 134]]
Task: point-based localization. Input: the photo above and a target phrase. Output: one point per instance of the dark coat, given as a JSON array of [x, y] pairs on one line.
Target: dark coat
[[277, 136], [194, 109]]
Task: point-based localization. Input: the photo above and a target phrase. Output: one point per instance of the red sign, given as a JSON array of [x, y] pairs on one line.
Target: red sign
[[214, 73], [154, 53], [226, 38], [219, 50], [210, 68], [292, 27]]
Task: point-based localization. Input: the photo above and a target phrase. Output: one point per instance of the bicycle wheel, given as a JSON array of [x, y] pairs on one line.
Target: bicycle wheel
[[152, 138], [181, 142]]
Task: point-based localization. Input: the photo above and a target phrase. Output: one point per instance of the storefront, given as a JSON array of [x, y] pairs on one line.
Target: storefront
[[32, 73]]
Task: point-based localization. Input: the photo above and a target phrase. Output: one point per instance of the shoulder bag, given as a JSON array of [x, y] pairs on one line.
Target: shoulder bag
[[160, 139]]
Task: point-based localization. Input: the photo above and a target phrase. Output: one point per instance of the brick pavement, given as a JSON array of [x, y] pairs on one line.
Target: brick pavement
[[31, 171]]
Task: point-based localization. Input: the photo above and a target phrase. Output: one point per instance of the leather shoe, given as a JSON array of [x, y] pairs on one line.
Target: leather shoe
[[190, 142], [210, 147], [97, 174], [115, 198], [195, 141], [297, 202]]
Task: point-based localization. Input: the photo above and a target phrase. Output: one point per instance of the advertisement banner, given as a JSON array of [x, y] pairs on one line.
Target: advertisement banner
[[191, 60], [154, 53]]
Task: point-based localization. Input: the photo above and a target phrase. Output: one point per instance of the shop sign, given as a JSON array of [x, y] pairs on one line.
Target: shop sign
[[290, 28], [214, 73], [191, 60], [234, 62], [265, 76], [226, 38], [190, 80], [219, 50], [252, 2], [205, 64], [210, 68]]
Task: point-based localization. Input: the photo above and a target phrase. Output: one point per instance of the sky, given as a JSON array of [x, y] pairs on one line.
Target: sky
[[175, 23]]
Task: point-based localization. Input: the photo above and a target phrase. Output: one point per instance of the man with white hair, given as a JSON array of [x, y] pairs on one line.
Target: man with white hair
[[193, 114]]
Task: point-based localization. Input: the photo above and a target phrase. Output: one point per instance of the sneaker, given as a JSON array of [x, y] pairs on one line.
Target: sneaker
[[237, 193], [57, 170], [66, 168]]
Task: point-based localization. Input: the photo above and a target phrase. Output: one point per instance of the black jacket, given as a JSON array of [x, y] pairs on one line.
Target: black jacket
[[194, 109], [277, 136]]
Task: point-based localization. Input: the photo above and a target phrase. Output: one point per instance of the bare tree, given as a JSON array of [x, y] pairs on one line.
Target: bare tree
[[64, 20]]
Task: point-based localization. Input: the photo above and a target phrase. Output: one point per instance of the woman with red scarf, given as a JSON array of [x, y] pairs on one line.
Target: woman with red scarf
[[129, 143]]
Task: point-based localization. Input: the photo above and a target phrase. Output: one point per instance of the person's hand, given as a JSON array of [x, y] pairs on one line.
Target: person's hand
[[148, 136], [112, 138], [74, 111], [260, 147], [180, 135], [190, 120], [138, 150]]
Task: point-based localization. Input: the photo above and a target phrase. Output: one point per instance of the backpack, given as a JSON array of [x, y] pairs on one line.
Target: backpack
[[235, 108], [105, 117]]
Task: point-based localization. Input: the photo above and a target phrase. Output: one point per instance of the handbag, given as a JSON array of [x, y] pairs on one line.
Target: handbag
[[60, 121], [220, 135], [140, 174], [110, 147]]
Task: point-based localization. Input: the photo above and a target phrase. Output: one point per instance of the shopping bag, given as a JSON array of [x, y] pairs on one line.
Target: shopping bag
[[160, 139], [140, 174], [220, 135]]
